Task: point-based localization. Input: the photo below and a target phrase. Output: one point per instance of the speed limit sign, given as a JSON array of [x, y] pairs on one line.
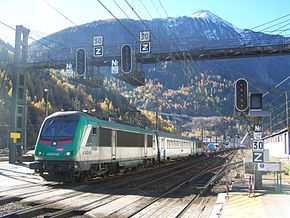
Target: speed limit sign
[[258, 145]]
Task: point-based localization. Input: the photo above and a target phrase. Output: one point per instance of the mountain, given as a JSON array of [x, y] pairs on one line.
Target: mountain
[[208, 84], [6, 51]]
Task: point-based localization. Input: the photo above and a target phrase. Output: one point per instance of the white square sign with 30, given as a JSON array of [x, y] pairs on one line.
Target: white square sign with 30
[[258, 145]]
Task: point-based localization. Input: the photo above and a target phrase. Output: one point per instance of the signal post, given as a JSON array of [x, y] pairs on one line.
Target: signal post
[[252, 105], [19, 105]]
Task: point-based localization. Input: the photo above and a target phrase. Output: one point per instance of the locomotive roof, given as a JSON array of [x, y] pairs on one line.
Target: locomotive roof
[[104, 123], [115, 125]]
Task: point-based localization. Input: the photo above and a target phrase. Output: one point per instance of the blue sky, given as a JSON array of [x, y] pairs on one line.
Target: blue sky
[[42, 20]]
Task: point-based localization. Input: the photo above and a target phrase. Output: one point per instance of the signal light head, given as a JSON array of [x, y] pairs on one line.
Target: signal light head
[[126, 59], [241, 95], [81, 61]]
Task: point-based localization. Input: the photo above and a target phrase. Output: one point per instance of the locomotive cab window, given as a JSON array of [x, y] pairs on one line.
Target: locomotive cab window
[[93, 138], [59, 127]]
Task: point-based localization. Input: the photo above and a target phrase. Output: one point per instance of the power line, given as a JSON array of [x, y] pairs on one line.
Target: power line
[[136, 13], [146, 9], [14, 29], [274, 25], [121, 9], [287, 24], [8, 26], [284, 30], [177, 38], [118, 20], [158, 12], [163, 8], [271, 21], [277, 85], [59, 12]]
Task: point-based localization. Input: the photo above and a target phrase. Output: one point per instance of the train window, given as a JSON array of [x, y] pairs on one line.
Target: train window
[[92, 140], [129, 139], [94, 131], [59, 127], [105, 137], [149, 141]]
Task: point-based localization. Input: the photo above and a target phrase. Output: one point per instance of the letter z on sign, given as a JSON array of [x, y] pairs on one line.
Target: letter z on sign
[[258, 157]]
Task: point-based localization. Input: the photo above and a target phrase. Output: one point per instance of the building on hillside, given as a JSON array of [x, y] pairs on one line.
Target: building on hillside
[[278, 144]]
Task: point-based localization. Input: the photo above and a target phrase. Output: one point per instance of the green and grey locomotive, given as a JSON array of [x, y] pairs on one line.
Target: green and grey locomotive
[[74, 145]]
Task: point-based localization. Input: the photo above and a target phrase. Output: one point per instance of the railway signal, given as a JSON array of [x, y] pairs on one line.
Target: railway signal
[[81, 62], [126, 59], [256, 101], [241, 95]]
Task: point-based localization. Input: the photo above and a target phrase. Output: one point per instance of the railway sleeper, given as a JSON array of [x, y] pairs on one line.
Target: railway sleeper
[[8, 199], [30, 212]]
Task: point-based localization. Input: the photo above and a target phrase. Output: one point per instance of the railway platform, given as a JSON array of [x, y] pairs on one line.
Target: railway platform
[[264, 203]]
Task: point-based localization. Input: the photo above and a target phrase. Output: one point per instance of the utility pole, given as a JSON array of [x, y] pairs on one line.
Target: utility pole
[[287, 110], [45, 96], [19, 105], [271, 123], [157, 135]]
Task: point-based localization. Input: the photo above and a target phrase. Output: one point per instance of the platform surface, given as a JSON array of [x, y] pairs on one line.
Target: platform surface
[[264, 203], [13, 175]]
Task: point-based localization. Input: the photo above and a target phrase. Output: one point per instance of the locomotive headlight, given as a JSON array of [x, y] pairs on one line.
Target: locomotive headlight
[[39, 153], [68, 153]]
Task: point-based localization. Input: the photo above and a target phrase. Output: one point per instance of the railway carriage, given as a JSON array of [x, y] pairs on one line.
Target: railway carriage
[[172, 146], [76, 145]]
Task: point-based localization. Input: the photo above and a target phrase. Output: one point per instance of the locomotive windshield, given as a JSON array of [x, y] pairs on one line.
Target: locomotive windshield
[[59, 127]]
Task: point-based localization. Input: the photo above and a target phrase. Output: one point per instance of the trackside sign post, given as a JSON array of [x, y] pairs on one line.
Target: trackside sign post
[[269, 167], [144, 39], [258, 145], [115, 67], [98, 44]]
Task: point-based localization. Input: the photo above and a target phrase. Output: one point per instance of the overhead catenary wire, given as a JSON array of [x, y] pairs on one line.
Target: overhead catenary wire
[[121, 9], [280, 28], [163, 8], [136, 13], [14, 29], [156, 9], [146, 9], [60, 13], [269, 22], [117, 19], [177, 38], [274, 25]]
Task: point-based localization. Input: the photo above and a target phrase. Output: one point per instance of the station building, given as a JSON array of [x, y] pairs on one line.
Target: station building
[[278, 144]]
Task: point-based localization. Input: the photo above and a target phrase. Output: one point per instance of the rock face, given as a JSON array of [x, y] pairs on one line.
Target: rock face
[[209, 79]]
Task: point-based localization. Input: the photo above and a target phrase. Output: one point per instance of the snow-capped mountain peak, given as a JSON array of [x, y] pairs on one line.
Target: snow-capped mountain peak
[[205, 14], [211, 17]]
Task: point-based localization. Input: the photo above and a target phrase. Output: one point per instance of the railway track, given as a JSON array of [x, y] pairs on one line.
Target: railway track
[[149, 191]]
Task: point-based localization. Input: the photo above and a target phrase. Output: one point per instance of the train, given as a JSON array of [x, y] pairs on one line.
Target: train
[[75, 146]]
